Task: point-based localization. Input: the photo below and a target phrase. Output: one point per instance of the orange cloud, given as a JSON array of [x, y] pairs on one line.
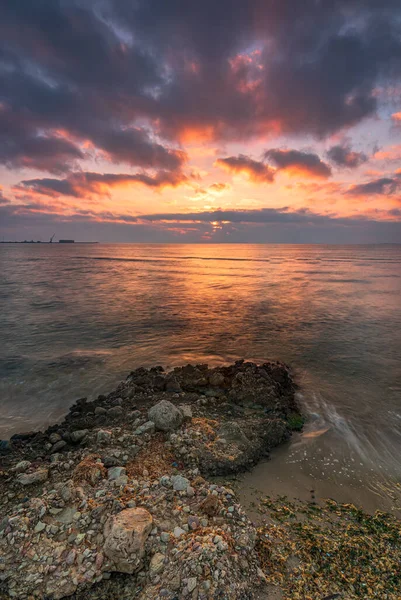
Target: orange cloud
[[256, 171], [396, 117]]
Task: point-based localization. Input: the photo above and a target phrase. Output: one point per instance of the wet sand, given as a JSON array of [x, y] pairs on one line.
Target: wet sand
[[312, 468]]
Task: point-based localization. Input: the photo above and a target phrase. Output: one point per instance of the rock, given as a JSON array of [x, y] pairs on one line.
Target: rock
[[165, 537], [211, 505], [156, 564], [115, 472], [110, 461], [39, 476], [179, 483], [172, 385], [40, 526], [58, 446], [125, 536], [54, 438], [103, 436], [78, 436], [191, 584], [186, 412], [115, 411], [165, 416], [193, 522], [178, 532], [22, 466], [99, 410], [148, 427], [190, 491], [216, 379]]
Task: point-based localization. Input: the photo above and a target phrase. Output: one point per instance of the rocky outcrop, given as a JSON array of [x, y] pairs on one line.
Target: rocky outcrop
[[123, 508]]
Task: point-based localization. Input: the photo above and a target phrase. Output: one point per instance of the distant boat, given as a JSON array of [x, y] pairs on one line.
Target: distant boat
[[66, 241]]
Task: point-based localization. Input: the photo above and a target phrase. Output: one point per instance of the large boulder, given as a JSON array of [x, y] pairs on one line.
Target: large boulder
[[125, 536], [165, 416]]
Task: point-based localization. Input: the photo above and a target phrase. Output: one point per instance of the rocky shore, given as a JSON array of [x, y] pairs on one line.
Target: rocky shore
[[116, 501]]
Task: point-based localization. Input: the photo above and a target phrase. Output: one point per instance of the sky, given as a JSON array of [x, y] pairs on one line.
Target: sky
[[265, 121]]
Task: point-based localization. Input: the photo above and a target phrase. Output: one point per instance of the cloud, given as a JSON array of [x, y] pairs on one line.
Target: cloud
[[256, 171], [384, 186], [344, 156], [87, 184], [130, 79], [396, 117], [301, 164]]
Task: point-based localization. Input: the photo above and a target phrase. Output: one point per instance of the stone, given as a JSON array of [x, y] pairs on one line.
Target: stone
[[179, 483], [115, 411], [58, 446], [172, 385], [148, 427], [115, 472], [78, 436], [54, 438], [40, 526], [156, 564], [191, 584], [103, 436], [99, 410], [190, 491], [211, 505], [178, 532], [216, 379], [22, 466], [186, 412], [165, 537], [165, 416], [38, 476], [110, 461], [125, 536]]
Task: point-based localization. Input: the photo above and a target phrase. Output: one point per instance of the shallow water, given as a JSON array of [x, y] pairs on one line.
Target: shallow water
[[76, 319]]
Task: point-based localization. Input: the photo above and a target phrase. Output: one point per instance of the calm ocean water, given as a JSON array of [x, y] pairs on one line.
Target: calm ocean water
[[76, 319]]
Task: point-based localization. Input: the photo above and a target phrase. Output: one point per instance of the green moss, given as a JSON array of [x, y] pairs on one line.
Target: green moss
[[296, 421]]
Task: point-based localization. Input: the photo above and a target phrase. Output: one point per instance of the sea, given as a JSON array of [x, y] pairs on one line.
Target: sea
[[75, 319]]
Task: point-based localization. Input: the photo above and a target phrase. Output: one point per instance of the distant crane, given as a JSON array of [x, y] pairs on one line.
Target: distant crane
[[51, 239]]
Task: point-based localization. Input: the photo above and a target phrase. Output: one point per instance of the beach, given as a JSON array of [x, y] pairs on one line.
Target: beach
[[138, 493]]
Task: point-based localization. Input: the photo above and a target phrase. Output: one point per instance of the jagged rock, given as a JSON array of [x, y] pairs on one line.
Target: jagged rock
[[39, 476], [165, 416], [125, 536], [99, 410]]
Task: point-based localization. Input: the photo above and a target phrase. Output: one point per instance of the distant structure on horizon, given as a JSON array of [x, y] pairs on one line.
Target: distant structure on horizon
[[66, 241]]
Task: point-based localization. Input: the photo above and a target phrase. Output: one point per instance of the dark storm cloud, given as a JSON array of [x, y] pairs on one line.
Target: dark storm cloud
[[128, 76], [84, 184], [384, 186], [301, 163], [256, 171], [344, 156], [262, 215]]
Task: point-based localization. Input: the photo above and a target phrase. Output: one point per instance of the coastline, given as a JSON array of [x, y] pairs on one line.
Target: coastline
[[121, 498]]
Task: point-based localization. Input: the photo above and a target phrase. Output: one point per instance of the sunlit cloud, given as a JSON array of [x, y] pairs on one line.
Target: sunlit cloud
[[256, 171]]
